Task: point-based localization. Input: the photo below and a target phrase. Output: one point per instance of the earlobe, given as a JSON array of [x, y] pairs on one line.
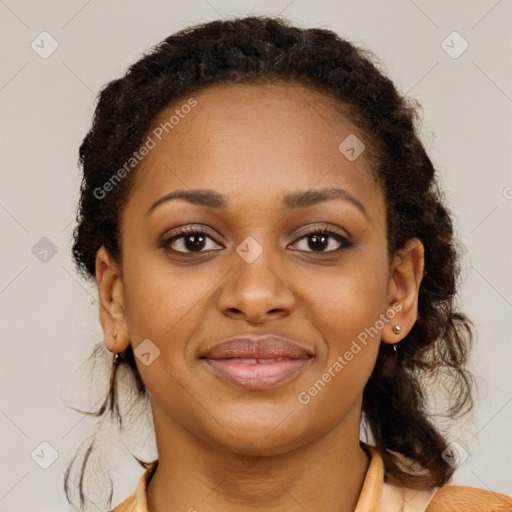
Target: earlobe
[[403, 289], [111, 302]]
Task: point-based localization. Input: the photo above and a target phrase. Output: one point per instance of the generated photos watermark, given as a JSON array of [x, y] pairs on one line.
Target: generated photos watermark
[[150, 143], [305, 397]]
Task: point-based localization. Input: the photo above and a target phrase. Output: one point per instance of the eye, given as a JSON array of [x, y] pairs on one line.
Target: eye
[[322, 240], [187, 238]]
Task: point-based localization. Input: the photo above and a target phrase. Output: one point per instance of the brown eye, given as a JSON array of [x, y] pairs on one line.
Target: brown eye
[[323, 240], [188, 240]]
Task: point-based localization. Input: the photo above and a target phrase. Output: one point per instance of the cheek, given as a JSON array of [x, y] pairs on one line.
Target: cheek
[[350, 299], [161, 306], [345, 315], [347, 310], [160, 299]]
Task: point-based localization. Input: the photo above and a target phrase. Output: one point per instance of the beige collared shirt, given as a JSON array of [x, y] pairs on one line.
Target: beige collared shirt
[[377, 495]]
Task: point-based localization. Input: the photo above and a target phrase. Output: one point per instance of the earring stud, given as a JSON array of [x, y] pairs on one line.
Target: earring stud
[[397, 329], [115, 337]]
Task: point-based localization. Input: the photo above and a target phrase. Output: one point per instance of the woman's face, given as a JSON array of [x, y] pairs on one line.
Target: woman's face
[[257, 267]]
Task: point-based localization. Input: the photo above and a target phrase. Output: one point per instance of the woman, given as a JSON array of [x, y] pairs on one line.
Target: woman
[[275, 267]]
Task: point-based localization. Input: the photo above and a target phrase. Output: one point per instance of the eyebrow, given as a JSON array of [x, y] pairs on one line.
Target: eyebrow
[[292, 201]]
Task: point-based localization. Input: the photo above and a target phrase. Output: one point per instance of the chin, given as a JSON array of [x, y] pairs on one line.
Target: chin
[[260, 434]]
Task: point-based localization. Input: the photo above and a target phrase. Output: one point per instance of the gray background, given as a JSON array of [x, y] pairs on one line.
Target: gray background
[[49, 318]]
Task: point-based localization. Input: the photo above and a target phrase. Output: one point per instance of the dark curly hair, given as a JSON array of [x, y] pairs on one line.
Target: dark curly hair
[[262, 50]]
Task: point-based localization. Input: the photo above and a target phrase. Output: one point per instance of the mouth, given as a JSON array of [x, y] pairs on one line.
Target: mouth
[[256, 364]]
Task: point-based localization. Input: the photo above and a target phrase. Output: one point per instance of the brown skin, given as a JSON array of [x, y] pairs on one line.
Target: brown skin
[[255, 144]]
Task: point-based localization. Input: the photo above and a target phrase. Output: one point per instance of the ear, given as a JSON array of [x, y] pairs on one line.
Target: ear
[[111, 298], [403, 290]]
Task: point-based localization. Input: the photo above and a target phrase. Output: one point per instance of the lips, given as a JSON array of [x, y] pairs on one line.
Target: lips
[[256, 362]]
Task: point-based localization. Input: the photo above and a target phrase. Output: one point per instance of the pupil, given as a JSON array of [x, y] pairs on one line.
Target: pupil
[[319, 242], [191, 242]]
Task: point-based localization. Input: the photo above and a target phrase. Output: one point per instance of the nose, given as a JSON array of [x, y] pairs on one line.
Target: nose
[[256, 290]]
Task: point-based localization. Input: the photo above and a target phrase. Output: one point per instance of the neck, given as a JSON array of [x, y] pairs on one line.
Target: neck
[[324, 474]]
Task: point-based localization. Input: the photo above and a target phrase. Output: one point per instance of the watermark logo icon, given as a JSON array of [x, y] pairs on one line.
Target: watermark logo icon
[[462, 248], [455, 455], [454, 45], [351, 147], [44, 45], [146, 352], [249, 249], [44, 250], [44, 455]]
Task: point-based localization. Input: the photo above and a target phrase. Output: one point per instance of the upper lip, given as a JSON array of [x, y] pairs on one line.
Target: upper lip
[[257, 347]]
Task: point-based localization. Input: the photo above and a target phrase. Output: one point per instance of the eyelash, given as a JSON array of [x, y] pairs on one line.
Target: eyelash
[[318, 230]]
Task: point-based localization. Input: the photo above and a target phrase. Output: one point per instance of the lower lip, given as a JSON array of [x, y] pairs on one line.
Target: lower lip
[[256, 376]]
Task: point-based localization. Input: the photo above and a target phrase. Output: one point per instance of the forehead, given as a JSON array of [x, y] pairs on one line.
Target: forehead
[[252, 142]]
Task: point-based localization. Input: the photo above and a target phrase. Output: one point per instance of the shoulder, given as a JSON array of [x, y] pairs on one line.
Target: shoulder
[[458, 498]]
